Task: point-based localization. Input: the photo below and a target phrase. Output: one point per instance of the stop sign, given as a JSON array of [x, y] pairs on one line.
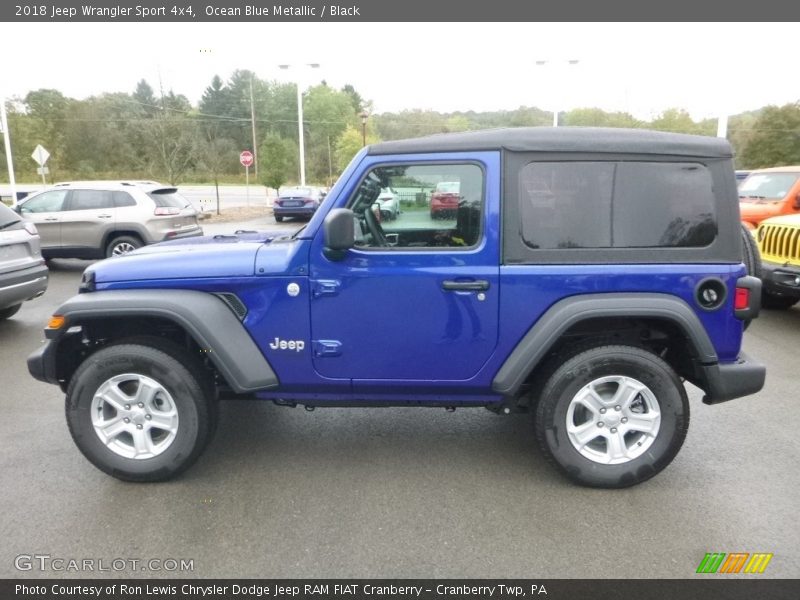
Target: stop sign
[[246, 158]]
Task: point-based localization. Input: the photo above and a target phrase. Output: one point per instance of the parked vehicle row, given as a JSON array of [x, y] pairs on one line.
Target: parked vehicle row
[[23, 273], [96, 219]]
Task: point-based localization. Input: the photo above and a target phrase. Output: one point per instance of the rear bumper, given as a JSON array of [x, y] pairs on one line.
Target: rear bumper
[[179, 234], [293, 211], [780, 280], [727, 381], [18, 286]]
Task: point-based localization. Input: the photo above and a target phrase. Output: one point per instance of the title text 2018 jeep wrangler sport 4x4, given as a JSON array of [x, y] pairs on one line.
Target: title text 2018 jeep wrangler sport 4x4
[[585, 274]]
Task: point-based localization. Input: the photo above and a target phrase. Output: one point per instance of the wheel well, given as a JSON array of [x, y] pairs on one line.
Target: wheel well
[[120, 233], [88, 336], [660, 336]]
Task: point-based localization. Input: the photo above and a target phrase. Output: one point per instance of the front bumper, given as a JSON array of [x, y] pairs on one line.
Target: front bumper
[[42, 363], [18, 286], [781, 280], [727, 381]]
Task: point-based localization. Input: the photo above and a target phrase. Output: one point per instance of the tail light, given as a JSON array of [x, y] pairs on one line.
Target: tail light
[[747, 298], [167, 210]]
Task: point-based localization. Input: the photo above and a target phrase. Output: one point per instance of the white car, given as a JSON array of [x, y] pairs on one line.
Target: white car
[[389, 202]]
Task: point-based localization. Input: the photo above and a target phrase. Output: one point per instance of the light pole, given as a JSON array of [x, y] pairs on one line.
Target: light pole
[[7, 142], [544, 63], [364, 116], [300, 122]]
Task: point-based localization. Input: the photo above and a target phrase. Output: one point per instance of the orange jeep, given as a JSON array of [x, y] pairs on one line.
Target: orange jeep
[[768, 193]]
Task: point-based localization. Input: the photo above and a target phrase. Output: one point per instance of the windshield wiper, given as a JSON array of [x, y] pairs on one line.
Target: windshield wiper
[[9, 224]]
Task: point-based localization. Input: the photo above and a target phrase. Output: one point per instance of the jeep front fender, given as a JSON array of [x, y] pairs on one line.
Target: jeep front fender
[[204, 316]]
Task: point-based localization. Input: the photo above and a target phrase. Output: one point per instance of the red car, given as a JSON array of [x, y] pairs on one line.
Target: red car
[[444, 200]]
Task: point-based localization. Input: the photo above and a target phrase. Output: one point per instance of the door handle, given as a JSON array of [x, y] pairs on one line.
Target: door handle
[[51, 219], [480, 285], [105, 216]]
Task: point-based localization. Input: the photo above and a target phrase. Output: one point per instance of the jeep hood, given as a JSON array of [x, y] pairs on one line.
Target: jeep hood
[[759, 210], [191, 258]]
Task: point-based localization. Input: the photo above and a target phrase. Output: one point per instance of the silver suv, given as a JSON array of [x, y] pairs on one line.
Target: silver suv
[[23, 274], [95, 219]]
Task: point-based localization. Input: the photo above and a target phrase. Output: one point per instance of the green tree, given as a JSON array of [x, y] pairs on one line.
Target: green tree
[[349, 144], [775, 139], [595, 117], [278, 158], [676, 120], [214, 154]]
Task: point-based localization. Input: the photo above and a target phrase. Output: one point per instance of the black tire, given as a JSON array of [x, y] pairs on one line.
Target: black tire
[[278, 219], [7, 313], [189, 390], [589, 366], [750, 254], [775, 302], [751, 257], [122, 245]]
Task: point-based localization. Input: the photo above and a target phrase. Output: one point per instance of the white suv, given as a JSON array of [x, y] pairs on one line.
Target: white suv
[[95, 219]]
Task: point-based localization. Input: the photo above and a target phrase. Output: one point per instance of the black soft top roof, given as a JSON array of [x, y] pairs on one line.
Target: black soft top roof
[[563, 139]]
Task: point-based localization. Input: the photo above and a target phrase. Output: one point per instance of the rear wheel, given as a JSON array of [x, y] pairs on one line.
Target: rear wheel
[[7, 313], [122, 245], [612, 416], [278, 219], [140, 413]]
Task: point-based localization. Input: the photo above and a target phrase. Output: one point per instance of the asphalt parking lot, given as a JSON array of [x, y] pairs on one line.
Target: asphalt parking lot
[[283, 492]]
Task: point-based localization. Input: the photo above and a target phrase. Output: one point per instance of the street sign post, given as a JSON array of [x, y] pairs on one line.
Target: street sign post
[[246, 158], [40, 156]]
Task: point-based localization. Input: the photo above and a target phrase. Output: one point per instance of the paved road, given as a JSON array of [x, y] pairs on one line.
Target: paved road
[[400, 492]]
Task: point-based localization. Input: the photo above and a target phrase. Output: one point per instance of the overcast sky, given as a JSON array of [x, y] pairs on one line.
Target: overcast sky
[[636, 67]]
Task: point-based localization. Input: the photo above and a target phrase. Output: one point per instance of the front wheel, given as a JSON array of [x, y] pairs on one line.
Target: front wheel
[[612, 416], [140, 413], [278, 219]]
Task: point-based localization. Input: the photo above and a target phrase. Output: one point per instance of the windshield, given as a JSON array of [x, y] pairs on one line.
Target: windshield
[[761, 186], [168, 198], [296, 193]]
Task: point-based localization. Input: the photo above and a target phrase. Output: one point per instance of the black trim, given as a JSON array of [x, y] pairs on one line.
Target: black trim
[[535, 345], [779, 278], [727, 381], [209, 321]]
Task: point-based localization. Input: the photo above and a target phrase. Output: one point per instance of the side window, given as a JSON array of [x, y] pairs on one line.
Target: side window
[[663, 205], [47, 202], [90, 200], [419, 206], [566, 204], [123, 199], [585, 204]]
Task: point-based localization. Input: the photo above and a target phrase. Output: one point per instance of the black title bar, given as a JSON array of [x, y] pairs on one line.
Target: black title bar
[[148, 11]]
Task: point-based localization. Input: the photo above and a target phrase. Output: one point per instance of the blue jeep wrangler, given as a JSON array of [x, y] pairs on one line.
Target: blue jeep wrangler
[[583, 277]]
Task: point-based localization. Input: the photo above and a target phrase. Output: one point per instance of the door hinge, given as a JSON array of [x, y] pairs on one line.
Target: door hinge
[[325, 287], [327, 348]]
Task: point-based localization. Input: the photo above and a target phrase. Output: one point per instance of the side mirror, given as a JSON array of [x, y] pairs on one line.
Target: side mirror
[[339, 231], [796, 204]]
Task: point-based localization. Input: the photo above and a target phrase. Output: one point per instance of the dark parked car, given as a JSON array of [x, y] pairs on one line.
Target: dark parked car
[[23, 274], [297, 202]]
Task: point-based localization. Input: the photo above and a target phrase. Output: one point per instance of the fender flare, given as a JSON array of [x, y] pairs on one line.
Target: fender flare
[[205, 317], [540, 338]]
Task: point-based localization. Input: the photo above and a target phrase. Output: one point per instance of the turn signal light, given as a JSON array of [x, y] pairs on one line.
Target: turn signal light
[[56, 322]]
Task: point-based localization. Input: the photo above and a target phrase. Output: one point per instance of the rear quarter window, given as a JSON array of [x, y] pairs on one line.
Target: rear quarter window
[[616, 204]]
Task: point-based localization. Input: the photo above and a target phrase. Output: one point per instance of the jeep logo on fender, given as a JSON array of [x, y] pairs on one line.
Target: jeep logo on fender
[[296, 345]]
